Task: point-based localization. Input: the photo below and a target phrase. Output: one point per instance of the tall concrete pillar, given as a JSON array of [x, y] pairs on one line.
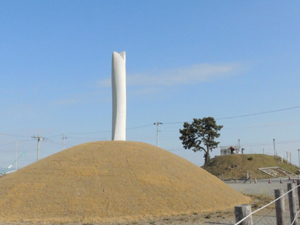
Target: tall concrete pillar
[[118, 80]]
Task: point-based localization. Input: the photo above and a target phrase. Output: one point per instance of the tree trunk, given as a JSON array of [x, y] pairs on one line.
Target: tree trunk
[[206, 157]]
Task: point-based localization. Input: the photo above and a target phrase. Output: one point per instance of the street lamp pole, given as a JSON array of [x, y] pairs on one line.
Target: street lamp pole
[[157, 136]]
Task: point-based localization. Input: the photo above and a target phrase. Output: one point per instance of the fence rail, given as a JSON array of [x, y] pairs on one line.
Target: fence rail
[[243, 214]]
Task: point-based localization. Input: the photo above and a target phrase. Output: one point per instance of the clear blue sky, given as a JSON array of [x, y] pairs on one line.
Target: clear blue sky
[[185, 60]]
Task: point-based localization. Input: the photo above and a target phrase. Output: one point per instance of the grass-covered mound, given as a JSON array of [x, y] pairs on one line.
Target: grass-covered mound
[[237, 165], [111, 181]]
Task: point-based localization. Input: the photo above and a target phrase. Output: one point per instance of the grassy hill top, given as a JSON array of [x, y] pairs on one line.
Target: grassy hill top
[[238, 165], [111, 181]]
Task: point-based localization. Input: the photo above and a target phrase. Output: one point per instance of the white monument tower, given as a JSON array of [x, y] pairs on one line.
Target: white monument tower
[[118, 81]]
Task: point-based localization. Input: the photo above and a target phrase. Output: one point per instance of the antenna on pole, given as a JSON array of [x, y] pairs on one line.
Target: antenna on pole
[[157, 136], [63, 137], [39, 138]]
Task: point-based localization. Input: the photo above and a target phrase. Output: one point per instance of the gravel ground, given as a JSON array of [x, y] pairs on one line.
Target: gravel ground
[[264, 217], [265, 187], [262, 187]]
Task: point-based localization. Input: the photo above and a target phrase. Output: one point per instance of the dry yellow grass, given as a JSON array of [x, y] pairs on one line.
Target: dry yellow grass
[[111, 181], [237, 166]]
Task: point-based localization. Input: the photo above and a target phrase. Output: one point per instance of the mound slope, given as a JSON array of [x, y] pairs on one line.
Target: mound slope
[[237, 165], [110, 181]]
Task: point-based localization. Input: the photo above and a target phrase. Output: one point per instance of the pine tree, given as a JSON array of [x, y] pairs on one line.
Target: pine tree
[[200, 131]]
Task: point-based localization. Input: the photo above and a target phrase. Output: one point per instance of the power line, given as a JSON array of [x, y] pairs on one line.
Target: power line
[[12, 135], [108, 131], [14, 142], [82, 138], [98, 132], [246, 115], [148, 125], [8, 144], [55, 135], [259, 113], [176, 122], [25, 140]]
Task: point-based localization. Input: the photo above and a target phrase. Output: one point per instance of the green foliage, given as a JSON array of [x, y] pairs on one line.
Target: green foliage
[[208, 216], [200, 132]]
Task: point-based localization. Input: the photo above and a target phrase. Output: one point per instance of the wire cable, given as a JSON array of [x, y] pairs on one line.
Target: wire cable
[[259, 113], [250, 214], [12, 135], [247, 115]]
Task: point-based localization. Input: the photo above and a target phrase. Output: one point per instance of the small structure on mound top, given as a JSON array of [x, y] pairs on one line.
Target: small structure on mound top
[[228, 150]]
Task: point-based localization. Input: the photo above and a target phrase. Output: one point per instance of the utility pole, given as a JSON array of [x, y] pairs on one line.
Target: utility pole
[[16, 155], [298, 158], [39, 138], [239, 145], [274, 146], [260, 144], [63, 137], [157, 136]]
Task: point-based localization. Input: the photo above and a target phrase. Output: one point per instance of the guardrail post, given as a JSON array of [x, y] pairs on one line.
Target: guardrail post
[[279, 206], [241, 211], [292, 203]]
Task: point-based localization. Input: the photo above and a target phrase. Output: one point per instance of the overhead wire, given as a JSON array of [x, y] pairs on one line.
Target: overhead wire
[[149, 125], [259, 113], [96, 132], [12, 135], [176, 122], [247, 115], [55, 135], [8, 144]]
